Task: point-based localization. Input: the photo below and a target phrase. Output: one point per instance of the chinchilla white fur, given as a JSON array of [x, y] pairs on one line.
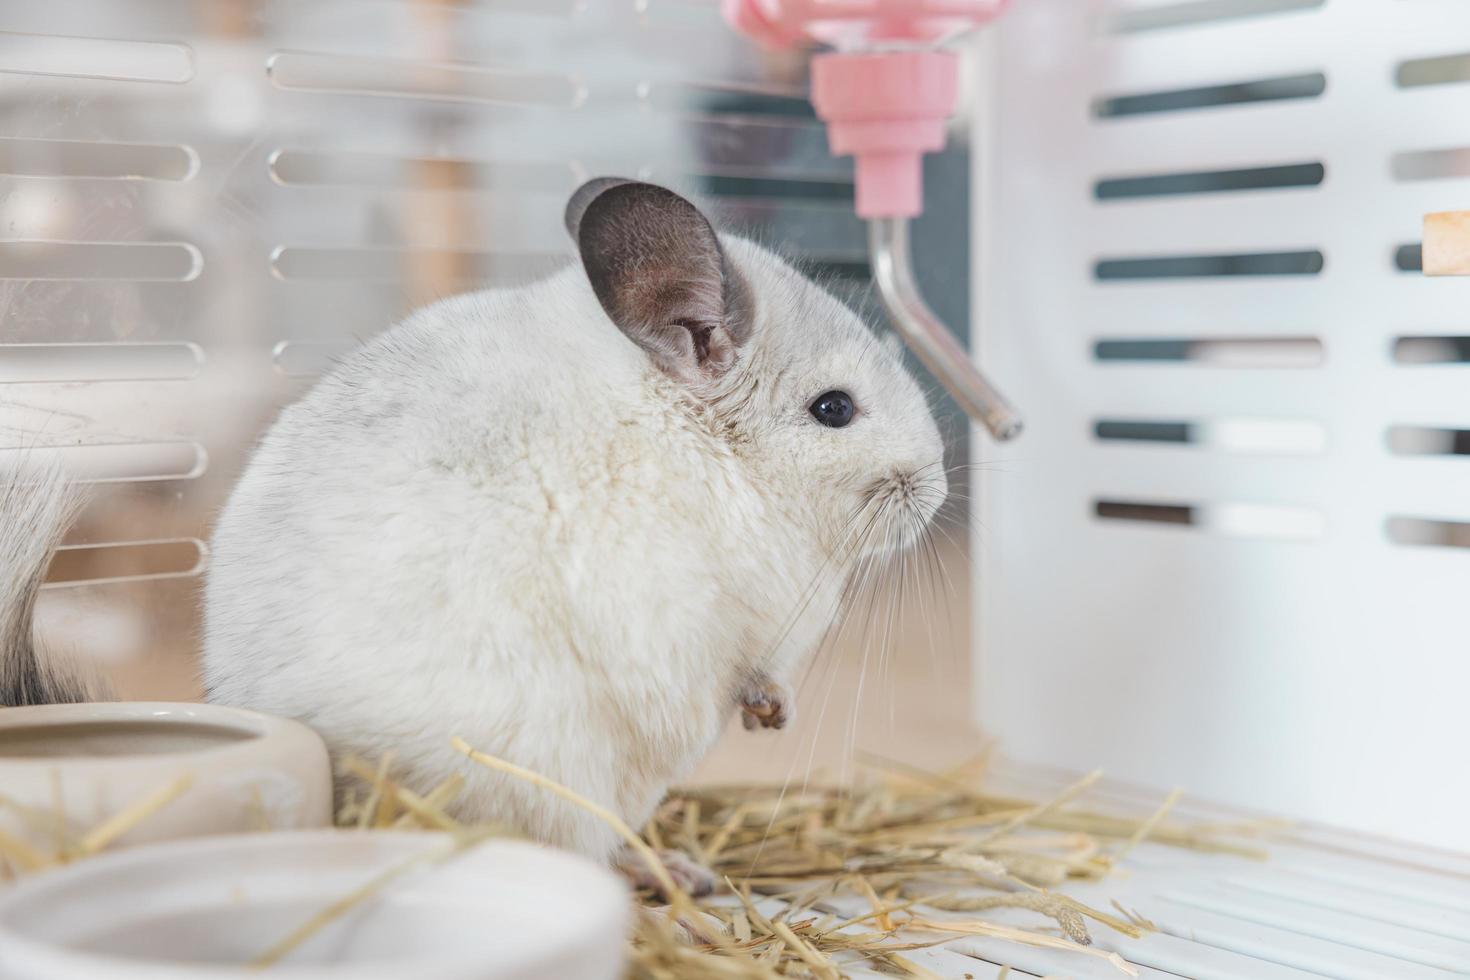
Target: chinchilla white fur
[[506, 518]]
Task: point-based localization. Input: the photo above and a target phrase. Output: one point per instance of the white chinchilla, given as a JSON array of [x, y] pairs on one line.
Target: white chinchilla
[[577, 523]]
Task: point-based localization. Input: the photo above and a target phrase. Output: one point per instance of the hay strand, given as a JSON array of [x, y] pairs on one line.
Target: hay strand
[[979, 927], [129, 817], [1147, 827], [23, 855], [353, 899], [675, 894]]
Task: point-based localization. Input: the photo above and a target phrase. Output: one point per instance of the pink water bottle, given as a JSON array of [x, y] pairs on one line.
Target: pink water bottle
[[886, 90]]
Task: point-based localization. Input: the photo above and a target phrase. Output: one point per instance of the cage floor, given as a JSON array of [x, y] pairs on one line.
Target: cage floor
[[1324, 904]]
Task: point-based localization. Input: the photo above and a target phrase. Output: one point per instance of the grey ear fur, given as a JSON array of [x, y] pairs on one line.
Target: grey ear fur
[[585, 195], [656, 266]]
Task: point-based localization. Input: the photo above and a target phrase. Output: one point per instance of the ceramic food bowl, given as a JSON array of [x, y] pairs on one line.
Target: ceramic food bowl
[[206, 909], [222, 770]]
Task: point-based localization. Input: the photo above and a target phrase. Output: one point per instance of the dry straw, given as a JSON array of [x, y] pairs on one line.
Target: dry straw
[[917, 847], [66, 844], [926, 853]]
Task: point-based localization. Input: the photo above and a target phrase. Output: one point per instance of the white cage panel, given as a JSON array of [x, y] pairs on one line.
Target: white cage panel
[[1230, 553]]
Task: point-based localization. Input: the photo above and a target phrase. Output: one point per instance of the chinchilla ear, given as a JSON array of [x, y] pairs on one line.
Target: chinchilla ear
[[656, 266]]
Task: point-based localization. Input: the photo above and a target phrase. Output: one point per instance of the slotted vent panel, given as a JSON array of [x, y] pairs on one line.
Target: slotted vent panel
[[1230, 552]]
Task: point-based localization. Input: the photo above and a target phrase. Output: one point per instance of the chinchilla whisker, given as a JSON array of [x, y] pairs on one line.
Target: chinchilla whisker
[[840, 616], [870, 633], [837, 557], [858, 544], [926, 589]]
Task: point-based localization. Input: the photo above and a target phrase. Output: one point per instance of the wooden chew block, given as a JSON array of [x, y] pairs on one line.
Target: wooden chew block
[[1447, 243]]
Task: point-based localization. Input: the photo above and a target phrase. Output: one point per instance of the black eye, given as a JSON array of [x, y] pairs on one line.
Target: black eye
[[833, 408]]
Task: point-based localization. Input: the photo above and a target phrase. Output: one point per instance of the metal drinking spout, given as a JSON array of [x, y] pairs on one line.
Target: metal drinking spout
[[885, 94], [887, 109], [927, 336]]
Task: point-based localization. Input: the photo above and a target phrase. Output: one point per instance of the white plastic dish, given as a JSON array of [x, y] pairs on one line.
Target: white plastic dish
[[91, 762], [204, 909]]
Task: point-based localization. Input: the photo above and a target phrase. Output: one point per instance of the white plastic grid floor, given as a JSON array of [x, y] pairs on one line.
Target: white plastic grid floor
[[1325, 904]]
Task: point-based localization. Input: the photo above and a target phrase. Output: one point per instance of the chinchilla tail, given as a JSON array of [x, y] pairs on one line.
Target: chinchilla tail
[[37, 505]]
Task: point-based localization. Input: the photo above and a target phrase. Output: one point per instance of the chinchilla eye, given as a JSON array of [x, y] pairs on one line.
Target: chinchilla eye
[[833, 408]]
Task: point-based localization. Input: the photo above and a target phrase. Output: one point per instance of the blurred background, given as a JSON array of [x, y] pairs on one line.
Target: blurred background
[[202, 204]]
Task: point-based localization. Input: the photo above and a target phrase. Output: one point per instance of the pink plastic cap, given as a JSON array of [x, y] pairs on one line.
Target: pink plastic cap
[[754, 21], [849, 24], [886, 110]]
